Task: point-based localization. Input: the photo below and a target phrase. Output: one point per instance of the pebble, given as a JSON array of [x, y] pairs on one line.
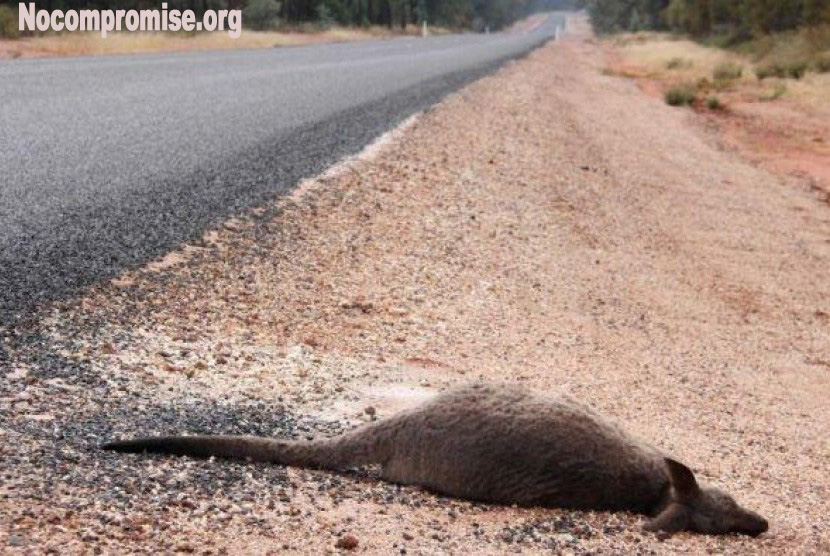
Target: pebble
[[347, 542]]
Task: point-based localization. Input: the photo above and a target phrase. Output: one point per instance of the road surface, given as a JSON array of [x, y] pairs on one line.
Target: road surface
[[108, 162]]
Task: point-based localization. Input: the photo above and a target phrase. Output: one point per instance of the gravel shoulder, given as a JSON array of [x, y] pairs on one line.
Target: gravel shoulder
[[548, 225]]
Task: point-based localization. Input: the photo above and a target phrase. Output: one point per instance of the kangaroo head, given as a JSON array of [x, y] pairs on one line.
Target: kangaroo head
[[703, 509]]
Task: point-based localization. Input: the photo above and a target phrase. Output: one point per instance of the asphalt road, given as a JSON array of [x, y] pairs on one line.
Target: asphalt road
[[109, 162]]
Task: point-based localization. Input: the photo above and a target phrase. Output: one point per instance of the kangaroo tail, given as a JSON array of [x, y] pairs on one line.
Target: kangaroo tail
[[360, 447], [231, 447]]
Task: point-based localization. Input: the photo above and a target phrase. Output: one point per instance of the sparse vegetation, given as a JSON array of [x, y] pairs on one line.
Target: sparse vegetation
[[790, 64], [683, 60], [686, 41], [714, 103], [793, 70], [731, 22], [682, 95], [774, 94], [678, 63], [770, 70], [797, 69], [727, 71], [822, 64]]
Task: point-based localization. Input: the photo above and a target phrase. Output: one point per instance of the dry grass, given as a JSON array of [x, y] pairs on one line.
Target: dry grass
[[789, 46], [769, 111], [664, 56], [813, 91], [85, 44], [674, 61]]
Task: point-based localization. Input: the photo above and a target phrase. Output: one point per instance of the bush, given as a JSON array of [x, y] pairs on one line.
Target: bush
[[822, 65], [325, 17], [8, 23], [727, 71], [721, 85], [770, 70], [683, 95], [261, 15], [796, 70], [714, 103]]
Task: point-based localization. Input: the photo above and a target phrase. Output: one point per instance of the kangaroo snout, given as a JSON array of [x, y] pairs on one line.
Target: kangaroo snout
[[752, 525]]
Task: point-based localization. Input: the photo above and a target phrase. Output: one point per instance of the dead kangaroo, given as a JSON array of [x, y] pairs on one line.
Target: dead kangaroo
[[500, 444]]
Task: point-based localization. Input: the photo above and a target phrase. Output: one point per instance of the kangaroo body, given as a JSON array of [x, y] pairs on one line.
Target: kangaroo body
[[489, 443]]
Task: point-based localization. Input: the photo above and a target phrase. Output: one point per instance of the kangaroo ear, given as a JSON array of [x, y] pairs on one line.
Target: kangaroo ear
[[673, 519], [682, 479]]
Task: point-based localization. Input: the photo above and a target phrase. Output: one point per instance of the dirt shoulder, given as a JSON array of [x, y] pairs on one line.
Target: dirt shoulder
[[549, 225]]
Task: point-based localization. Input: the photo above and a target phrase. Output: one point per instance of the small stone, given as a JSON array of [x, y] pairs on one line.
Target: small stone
[[347, 542], [42, 417], [23, 396], [662, 536], [17, 374], [15, 540], [370, 411]]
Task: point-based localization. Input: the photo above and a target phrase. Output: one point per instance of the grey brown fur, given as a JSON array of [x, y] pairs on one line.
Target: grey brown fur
[[501, 444]]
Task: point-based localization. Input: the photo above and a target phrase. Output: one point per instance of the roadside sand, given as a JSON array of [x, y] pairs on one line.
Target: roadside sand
[[549, 225]]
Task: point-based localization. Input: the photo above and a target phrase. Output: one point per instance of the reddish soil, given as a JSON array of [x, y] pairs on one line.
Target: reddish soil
[[782, 136]]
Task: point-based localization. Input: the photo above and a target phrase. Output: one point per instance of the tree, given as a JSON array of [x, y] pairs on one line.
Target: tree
[[261, 15]]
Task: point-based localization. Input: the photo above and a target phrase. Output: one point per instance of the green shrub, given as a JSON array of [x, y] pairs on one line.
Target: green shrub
[[261, 15], [727, 71], [770, 70], [325, 17], [714, 103], [703, 84], [793, 70], [722, 85], [822, 64], [796, 70], [8, 23], [683, 95]]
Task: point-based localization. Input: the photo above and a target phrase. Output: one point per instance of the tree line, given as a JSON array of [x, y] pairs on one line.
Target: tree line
[[263, 14], [742, 19]]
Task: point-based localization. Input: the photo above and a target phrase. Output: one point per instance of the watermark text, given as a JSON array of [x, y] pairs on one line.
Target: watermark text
[[107, 21]]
